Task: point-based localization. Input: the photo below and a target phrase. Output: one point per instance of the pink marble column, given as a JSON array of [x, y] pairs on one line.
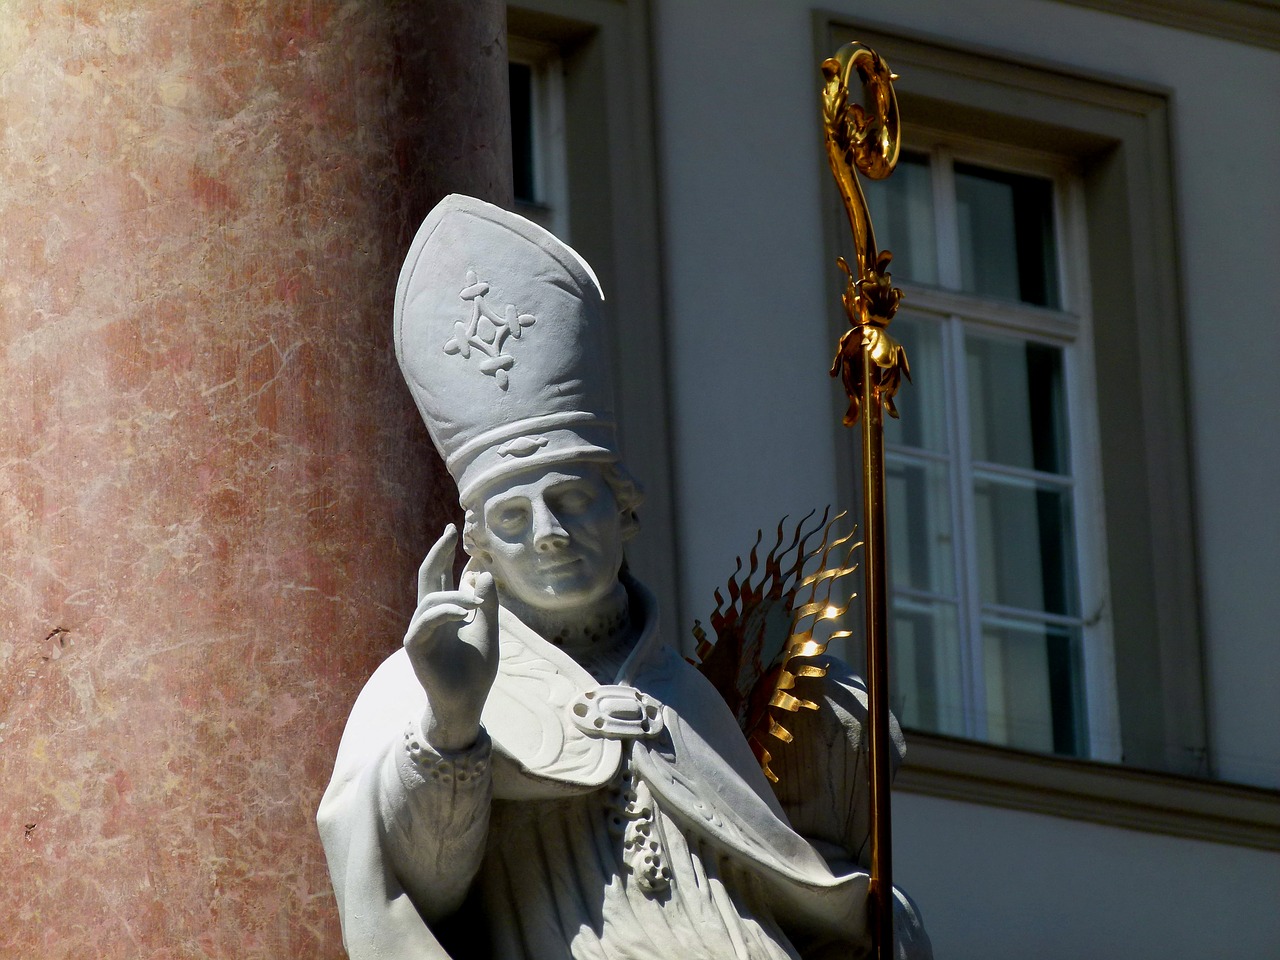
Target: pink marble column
[[214, 489]]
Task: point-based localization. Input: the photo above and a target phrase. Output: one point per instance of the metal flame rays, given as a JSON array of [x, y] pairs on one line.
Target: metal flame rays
[[765, 639]]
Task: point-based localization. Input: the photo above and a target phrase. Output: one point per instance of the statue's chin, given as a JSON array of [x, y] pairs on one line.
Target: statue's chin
[[573, 611], [564, 598], [560, 588]]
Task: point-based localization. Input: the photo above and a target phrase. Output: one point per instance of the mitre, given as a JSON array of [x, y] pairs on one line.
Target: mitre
[[500, 336]]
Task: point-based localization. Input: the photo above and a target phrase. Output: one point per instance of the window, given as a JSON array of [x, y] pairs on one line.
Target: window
[[538, 166], [990, 484], [1043, 563]]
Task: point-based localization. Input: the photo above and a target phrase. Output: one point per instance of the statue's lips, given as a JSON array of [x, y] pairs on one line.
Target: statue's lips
[[562, 565]]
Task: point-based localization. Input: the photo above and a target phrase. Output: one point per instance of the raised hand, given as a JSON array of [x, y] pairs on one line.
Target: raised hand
[[452, 643]]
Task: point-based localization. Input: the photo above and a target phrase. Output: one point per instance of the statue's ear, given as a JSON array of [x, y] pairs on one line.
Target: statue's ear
[[630, 524], [473, 537]]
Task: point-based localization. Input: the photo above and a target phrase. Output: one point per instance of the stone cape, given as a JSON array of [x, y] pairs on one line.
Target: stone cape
[[700, 770]]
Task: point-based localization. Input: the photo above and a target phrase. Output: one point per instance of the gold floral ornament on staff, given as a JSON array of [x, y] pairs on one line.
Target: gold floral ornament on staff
[[765, 634], [867, 141]]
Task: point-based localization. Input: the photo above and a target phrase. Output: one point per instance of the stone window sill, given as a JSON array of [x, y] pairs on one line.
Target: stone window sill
[[1163, 803]]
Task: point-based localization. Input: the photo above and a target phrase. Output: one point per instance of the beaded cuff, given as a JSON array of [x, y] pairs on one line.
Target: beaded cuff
[[462, 766]]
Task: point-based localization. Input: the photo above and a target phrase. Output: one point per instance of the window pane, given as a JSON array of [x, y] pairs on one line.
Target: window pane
[[1026, 552], [918, 506], [922, 402], [1007, 246], [1017, 404], [520, 78], [1034, 693], [925, 640], [902, 217]]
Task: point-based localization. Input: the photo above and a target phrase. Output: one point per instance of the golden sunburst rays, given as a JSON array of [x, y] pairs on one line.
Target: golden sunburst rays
[[776, 620]]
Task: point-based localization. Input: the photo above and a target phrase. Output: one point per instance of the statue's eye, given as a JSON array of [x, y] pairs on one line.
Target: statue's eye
[[573, 501], [511, 519]]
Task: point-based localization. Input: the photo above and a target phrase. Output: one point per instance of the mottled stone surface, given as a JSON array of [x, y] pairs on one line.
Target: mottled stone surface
[[214, 490]]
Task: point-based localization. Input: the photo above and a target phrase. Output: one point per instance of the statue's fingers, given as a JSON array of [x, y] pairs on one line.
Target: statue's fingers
[[462, 597], [425, 623], [486, 592], [436, 572]]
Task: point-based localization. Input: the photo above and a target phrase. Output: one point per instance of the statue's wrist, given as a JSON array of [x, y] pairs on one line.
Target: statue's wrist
[[433, 762], [449, 735]]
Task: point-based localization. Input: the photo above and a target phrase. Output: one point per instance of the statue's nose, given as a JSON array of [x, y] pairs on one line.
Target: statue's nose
[[548, 532]]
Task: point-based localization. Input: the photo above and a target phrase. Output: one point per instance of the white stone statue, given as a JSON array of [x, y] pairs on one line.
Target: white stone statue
[[537, 774]]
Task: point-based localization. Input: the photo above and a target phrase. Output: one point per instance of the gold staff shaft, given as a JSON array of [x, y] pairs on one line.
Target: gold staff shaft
[[881, 886], [872, 363]]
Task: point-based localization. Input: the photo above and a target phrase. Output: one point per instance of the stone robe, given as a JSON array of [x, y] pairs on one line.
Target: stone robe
[[566, 841]]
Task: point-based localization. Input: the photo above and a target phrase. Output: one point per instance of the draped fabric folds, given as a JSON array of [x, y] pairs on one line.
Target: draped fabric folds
[[611, 849]]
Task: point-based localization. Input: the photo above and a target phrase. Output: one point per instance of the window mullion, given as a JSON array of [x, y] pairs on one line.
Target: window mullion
[[1102, 709], [965, 546], [973, 678], [916, 453], [948, 223], [928, 596], [1021, 475], [553, 172], [1023, 615]]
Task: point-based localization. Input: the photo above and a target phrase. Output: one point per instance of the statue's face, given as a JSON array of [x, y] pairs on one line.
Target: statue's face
[[552, 540]]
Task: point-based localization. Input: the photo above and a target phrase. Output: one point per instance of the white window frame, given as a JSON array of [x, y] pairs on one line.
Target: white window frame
[[1118, 134], [1068, 327], [550, 208]]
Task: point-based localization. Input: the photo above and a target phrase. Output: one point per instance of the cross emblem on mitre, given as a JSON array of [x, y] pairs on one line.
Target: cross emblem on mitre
[[486, 331]]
